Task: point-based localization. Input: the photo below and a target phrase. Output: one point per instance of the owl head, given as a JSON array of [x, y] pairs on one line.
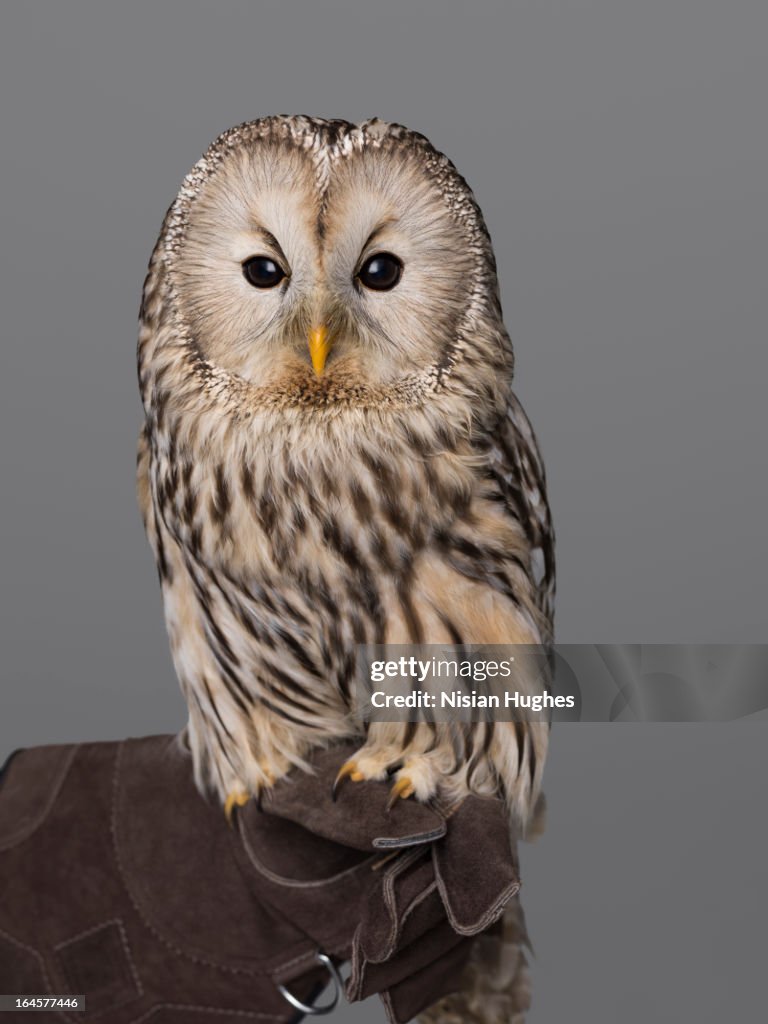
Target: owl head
[[315, 259]]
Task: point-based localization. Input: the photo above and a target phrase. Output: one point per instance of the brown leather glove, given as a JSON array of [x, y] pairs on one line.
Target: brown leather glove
[[120, 883]]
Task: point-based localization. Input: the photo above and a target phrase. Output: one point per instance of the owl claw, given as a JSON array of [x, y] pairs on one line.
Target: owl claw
[[348, 770], [237, 798], [401, 790]]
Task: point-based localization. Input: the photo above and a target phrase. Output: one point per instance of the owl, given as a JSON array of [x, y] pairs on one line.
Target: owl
[[332, 455]]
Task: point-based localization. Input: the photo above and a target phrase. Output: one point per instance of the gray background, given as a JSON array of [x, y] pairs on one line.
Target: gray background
[[620, 154]]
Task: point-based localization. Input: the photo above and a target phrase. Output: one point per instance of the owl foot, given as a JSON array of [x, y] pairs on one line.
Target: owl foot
[[401, 790], [237, 798], [348, 770], [419, 775], [370, 764]]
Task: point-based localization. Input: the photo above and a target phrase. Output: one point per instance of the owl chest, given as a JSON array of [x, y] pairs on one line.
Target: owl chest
[[306, 551], [271, 514]]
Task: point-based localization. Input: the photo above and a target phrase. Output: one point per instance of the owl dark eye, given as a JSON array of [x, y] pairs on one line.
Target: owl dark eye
[[381, 272], [262, 272]]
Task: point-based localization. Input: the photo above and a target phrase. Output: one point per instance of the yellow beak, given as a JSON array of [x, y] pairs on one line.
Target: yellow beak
[[319, 347]]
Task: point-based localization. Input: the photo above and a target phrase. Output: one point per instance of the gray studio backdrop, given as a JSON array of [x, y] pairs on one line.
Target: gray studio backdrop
[[620, 155]]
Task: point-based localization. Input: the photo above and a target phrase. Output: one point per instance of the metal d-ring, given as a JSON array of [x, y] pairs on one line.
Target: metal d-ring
[[317, 1011]]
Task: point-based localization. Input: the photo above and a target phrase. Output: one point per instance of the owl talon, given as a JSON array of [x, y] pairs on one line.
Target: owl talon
[[401, 790], [348, 770], [237, 798]]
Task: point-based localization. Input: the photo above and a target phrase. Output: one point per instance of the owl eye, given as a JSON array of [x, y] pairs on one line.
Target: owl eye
[[262, 272], [381, 272]]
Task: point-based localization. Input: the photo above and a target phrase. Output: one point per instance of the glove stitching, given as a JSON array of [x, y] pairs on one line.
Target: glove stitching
[[196, 958]]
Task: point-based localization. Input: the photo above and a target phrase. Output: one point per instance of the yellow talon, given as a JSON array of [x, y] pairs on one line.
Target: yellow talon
[[237, 798], [402, 789], [348, 770]]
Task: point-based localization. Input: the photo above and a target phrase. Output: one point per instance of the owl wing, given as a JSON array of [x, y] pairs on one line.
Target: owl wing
[[144, 490], [516, 466]]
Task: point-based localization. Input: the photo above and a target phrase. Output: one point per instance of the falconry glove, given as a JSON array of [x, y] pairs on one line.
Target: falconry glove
[[120, 883]]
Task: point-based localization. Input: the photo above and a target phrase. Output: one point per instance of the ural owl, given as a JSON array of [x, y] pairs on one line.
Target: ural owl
[[333, 454]]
